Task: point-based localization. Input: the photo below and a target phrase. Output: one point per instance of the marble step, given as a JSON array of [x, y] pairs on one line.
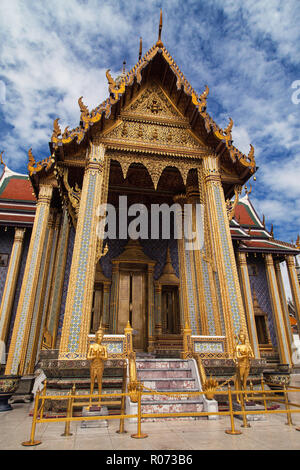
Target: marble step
[[155, 373], [170, 384], [161, 364], [171, 407], [166, 398]]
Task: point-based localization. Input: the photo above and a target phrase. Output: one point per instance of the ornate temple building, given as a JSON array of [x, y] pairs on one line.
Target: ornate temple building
[[153, 141]]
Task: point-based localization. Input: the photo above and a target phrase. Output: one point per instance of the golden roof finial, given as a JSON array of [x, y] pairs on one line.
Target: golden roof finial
[[124, 67], [1, 159], [298, 241], [141, 48], [159, 41]]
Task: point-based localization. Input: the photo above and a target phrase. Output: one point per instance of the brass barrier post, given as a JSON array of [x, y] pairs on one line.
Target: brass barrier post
[[245, 421], [287, 407], [139, 434], [121, 429], [232, 430], [69, 413], [43, 399], [263, 390], [32, 442]]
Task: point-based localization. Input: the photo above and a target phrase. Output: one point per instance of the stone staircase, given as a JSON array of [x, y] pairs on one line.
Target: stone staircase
[[169, 375]]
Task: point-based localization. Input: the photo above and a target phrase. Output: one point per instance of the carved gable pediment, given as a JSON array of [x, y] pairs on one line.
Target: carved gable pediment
[[153, 103], [152, 121]]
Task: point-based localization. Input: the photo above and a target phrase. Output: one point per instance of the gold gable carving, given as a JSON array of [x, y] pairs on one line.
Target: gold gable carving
[[152, 102], [152, 119]]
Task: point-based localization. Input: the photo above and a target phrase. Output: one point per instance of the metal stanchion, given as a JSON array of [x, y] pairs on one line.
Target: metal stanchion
[[263, 390], [287, 407], [245, 421], [69, 412], [139, 434], [232, 430], [121, 429], [32, 442]]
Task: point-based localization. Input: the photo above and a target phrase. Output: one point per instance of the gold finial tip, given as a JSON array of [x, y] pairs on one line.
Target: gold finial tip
[[159, 41]]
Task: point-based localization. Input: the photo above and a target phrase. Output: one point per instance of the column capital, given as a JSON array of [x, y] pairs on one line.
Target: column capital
[[269, 259], [242, 257], [290, 260], [180, 199], [45, 194], [211, 169], [19, 234], [95, 157]]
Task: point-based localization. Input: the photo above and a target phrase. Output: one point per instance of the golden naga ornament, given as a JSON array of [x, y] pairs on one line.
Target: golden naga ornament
[[231, 205]]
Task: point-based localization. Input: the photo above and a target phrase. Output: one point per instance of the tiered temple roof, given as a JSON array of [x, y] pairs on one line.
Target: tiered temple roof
[[250, 231], [17, 202]]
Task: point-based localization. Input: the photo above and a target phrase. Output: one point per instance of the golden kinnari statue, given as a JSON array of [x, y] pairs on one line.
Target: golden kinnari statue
[[243, 355], [97, 354]]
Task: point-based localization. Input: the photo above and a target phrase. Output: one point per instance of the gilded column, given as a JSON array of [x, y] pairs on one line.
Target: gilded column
[[151, 320], [58, 279], [295, 288], [186, 297], [79, 300], [19, 342], [105, 316], [284, 305], [284, 352], [41, 294], [246, 289], [230, 294], [157, 303], [11, 282]]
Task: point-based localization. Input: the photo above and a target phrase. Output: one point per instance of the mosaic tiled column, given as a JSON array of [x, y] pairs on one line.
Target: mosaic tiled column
[[58, 279], [186, 293], [295, 287], [208, 316], [151, 320], [79, 300], [19, 341], [42, 295], [284, 305], [35, 326], [230, 293], [284, 352], [11, 282], [157, 307], [246, 289]]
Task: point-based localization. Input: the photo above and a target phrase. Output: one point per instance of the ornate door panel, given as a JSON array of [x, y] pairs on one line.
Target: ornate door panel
[[133, 290]]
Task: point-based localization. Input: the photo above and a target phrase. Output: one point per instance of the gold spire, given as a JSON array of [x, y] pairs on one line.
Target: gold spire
[[1, 159], [141, 48], [159, 41]]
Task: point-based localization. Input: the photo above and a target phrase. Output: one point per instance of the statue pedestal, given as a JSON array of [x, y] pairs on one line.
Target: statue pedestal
[[94, 411], [251, 406]]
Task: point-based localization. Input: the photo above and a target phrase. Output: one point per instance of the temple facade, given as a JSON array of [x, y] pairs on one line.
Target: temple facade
[[151, 143]]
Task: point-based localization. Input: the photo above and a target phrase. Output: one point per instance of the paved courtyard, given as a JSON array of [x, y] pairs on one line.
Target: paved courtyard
[[272, 434]]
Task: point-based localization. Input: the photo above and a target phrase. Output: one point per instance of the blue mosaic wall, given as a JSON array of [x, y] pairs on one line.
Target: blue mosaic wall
[[259, 283]]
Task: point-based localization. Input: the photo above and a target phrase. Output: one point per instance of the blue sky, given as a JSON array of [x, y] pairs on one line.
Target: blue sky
[[247, 52]]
